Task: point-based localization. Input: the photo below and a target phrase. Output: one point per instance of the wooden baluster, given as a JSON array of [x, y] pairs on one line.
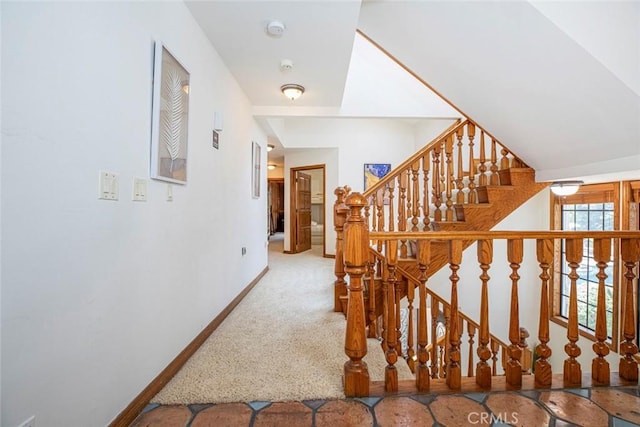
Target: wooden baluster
[[445, 345], [426, 164], [630, 253], [356, 255], [544, 251], [390, 187], [460, 172], [483, 370], [454, 373], [514, 368], [379, 201], [402, 213], [398, 292], [494, 178], [572, 370], [409, 199], [435, 183], [391, 373], [495, 347], [471, 331], [340, 211], [600, 372], [374, 215], [411, 287], [471, 197], [449, 178], [483, 160], [505, 163], [435, 310], [385, 304], [422, 371], [415, 169], [373, 318]]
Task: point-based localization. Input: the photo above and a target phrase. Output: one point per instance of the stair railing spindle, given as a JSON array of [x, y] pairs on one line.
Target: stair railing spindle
[[391, 372], [600, 371], [543, 372], [454, 373], [630, 254], [449, 178], [459, 181], [494, 178], [426, 164], [572, 372], [483, 159], [435, 310], [514, 368], [436, 183], [422, 371], [483, 370], [402, 213]]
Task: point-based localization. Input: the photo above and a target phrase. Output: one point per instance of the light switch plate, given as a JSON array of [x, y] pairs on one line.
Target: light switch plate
[[169, 193], [108, 186], [139, 189]]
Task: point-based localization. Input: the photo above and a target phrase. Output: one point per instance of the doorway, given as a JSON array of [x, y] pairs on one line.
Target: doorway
[[307, 208], [276, 205]]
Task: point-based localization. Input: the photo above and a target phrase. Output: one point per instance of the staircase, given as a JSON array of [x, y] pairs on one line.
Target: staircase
[[419, 218]]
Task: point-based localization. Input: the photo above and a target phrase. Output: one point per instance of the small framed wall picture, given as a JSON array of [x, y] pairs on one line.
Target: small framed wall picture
[[170, 114]]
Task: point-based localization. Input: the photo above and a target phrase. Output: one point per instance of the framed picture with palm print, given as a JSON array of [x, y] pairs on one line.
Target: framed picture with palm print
[[170, 117]]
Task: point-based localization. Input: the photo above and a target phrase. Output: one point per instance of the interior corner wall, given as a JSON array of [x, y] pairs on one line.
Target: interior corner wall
[[99, 296]]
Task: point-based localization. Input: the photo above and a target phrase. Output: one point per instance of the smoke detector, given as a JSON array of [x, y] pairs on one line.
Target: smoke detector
[[286, 65], [275, 28]]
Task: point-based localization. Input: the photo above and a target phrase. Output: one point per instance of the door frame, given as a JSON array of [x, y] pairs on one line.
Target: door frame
[[293, 205]]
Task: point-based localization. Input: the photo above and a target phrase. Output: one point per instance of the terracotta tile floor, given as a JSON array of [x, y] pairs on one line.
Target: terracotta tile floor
[[595, 407]]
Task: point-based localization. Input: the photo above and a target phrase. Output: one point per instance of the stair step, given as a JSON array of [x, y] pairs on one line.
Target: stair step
[[486, 193]]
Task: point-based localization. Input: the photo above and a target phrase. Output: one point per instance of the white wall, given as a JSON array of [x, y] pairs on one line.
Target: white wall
[[99, 296]]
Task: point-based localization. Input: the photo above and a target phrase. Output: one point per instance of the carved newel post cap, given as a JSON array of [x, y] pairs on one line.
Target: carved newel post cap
[[339, 191], [356, 199]]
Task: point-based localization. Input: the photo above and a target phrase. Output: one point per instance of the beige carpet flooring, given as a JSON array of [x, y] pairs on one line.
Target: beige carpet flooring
[[282, 342]]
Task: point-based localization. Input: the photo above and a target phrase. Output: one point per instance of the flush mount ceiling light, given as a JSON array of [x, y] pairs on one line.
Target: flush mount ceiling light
[[275, 28], [565, 188], [270, 147], [271, 166], [292, 91]]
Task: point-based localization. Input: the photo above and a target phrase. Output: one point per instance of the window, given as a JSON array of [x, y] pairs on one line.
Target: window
[[583, 217], [594, 207]]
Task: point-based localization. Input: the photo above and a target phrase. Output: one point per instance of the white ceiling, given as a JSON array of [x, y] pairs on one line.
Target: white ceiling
[[551, 86]]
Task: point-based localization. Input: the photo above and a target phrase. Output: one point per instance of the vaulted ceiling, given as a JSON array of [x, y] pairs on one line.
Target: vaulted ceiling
[[558, 82]]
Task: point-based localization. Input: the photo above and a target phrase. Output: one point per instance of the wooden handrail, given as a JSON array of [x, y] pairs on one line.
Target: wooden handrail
[[525, 234]]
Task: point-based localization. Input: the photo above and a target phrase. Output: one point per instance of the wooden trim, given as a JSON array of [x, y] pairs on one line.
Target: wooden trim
[[329, 256], [131, 412]]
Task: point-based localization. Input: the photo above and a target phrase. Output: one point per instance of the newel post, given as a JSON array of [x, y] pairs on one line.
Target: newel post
[[356, 256], [340, 211]]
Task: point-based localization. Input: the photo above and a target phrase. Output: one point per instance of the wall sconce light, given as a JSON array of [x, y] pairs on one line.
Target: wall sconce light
[[270, 147], [292, 91], [271, 166], [565, 188]]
